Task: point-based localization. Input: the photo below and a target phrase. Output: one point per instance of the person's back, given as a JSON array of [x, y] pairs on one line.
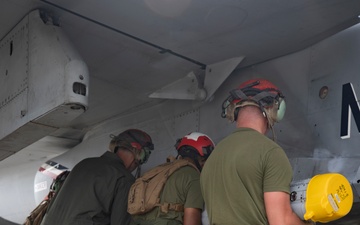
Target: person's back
[[247, 178], [86, 197], [245, 155], [95, 191], [182, 187]]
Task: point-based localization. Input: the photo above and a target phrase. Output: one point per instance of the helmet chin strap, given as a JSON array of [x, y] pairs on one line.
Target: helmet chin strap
[[138, 171], [274, 134], [269, 115], [138, 168], [136, 158], [197, 164]]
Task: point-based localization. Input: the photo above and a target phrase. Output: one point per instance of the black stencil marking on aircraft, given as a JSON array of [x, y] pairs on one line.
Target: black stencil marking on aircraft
[[349, 101]]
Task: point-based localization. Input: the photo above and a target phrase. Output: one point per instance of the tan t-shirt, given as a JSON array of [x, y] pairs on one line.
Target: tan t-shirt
[[242, 167]]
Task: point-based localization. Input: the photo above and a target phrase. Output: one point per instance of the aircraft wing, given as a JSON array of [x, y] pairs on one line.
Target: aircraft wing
[[134, 49], [166, 66]]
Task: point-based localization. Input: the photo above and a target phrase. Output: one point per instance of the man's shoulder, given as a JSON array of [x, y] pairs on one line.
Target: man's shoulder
[[185, 174], [106, 163], [253, 134], [188, 170], [244, 134]]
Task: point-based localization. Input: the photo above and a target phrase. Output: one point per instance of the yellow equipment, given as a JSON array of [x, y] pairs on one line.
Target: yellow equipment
[[323, 198]]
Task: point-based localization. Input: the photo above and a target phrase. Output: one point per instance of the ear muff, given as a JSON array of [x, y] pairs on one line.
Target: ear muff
[[281, 110], [232, 112], [139, 154], [276, 112], [143, 155], [112, 146]]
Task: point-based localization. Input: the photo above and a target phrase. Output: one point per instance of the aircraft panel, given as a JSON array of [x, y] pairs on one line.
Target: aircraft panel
[[14, 75]]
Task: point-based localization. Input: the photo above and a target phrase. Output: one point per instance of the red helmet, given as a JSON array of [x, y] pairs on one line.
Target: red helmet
[[251, 89], [261, 91], [199, 141], [136, 139]]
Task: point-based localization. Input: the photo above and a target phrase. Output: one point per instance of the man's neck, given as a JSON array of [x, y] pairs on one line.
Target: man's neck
[[252, 119]]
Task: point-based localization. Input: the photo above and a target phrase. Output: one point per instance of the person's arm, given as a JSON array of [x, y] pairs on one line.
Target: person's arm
[[279, 211], [119, 214], [192, 216]]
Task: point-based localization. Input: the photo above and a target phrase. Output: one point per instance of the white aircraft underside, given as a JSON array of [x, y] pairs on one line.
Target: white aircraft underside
[[166, 66]]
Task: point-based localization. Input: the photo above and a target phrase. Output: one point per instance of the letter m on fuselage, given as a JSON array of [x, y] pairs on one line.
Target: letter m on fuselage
[[349, 105]]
